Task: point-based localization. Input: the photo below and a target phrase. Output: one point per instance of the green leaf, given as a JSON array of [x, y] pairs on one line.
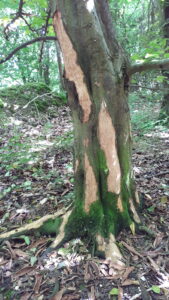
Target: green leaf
[[160, 78], [114, 291], [151, 208], [26, 239], [33, 260], [156, 289], [27, 183]]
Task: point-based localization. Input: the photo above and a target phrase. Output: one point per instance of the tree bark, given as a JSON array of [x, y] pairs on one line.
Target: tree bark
[[97, 84], [164, 112]]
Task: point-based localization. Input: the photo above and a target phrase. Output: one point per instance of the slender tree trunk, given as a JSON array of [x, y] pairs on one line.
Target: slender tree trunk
[[46, 65], [60, 66], [165, 102], [97, 84]]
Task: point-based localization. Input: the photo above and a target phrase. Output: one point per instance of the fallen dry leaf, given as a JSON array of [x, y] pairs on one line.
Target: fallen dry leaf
[[38, 281], [158, 240], [130, 282], [126, 273], [20, 253], [24, 271], [2, 261], [58, 295], [131, 249], [26, 296], [38, 243], [11, 251], [153, 264]]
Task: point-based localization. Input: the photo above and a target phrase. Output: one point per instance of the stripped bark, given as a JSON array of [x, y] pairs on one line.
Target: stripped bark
[[96, 79]]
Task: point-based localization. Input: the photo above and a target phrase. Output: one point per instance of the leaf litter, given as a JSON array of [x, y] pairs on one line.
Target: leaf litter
[[34, 186]]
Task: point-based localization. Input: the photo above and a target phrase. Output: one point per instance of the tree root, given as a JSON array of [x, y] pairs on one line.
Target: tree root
[[110, 249], [36, 225], [60, 236]]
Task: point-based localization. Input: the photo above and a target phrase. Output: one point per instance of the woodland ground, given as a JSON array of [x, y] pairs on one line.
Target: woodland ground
[[36, 178]]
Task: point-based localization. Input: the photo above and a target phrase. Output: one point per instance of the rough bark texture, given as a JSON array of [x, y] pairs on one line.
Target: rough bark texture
[[165, 102], [97, 83]]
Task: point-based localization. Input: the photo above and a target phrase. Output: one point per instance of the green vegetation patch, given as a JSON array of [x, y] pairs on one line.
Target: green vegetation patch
[[37, 96], [51, 226], [84, 224]]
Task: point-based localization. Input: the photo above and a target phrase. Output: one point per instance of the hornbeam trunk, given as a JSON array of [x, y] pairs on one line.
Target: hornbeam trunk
[[96, 80]]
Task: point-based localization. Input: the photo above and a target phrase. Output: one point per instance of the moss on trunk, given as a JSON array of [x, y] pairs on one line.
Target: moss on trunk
[[96, 81]]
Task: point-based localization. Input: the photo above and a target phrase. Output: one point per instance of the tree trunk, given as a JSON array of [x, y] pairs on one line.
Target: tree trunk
[[97, 84], [60, 66], [164, 112]]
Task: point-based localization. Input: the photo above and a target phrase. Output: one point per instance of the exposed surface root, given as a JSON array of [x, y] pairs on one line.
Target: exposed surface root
[[110, 249], [61, 234], [32, 226]]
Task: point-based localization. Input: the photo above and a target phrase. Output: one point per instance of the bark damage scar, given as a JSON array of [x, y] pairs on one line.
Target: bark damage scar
[[76, 165], [120, 204], [86, 142], [107, 138], [73, 72], [90, 185]]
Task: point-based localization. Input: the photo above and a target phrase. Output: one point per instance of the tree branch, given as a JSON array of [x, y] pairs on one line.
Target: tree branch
[[44, 34], [17, 16], [29, 26], [38, 39], [147, 66]]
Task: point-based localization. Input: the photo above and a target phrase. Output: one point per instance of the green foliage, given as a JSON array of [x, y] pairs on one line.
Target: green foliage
[[65, 141], [15, 154], [114, 292], [1, 103], [142, 104], [34, 95], [26, 66]]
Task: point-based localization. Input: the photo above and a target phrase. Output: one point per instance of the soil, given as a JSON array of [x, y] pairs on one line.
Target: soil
[[42, 182]]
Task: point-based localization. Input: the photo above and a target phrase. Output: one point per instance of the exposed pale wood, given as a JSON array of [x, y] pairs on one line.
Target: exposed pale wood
[[73, 71], [90, 184], [107, 138], [120, 204]]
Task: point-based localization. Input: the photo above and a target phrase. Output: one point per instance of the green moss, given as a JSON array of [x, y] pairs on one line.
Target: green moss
[[51, 226], [114, 220], [23, 94], [84, 224]]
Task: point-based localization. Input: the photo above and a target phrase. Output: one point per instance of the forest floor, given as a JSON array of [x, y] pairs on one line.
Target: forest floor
[[36, 178]]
